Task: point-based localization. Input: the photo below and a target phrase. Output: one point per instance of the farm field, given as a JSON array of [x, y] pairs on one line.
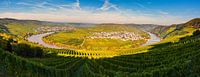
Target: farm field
[[83, 38]]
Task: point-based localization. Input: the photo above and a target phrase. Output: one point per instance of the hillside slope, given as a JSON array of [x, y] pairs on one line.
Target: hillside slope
[[180, 59], [3, 29], [171, 59], [22, 27], [145, 27], [178, 29]]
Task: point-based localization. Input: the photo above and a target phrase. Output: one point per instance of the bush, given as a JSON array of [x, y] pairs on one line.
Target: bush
[[196, 33], [26, 50]]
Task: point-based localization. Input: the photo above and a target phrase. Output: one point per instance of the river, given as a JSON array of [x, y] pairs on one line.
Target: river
[[153, 39], [38, 39]]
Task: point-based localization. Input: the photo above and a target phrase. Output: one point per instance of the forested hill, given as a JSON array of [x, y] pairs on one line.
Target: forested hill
[[177, 29], [22, 27], [146, 27], [10, 20], [3, 28], [195, 23]]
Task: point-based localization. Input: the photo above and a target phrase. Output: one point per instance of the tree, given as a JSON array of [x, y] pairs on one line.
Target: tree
[[196, 33], [26, 50]]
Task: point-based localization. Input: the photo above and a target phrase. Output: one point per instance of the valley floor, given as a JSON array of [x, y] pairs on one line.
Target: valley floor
[[38, 39]]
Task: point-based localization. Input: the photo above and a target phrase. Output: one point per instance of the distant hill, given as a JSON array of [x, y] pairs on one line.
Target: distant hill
[[21, 27], [195, 23], [116, 27], [146, 27], [82, 24], [3, 28], [10, 20]]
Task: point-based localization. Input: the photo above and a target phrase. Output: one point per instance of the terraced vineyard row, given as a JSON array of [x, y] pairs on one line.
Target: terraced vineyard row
[[97, 54], [180, 59]]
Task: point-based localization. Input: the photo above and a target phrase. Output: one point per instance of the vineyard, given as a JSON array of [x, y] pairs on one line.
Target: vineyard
[[179, 59], [82, 38], [177, 55]]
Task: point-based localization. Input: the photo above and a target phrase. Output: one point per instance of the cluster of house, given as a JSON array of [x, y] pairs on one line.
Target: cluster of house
[[125, 36], [55, 28]]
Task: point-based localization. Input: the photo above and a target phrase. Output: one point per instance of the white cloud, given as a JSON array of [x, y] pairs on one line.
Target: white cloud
[[90, 17], [163, 12], [107, 6], [23, 3], [140, 5], [50, 6], [74, 13], [38, 6], [77, 5]]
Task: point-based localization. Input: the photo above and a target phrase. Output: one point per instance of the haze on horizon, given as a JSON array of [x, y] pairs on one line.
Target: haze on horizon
[[163, 12]]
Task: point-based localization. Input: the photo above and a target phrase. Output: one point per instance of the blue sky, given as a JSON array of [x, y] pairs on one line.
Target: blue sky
[[102, 11]]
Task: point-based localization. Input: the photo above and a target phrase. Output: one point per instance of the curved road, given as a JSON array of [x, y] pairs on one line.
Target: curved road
[[38, 39]]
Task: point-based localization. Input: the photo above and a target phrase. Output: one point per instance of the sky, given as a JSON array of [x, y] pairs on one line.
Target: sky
[[163, 12]]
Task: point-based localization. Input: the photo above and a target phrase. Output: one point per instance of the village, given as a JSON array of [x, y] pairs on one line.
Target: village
[[55, 28], [125, 36]]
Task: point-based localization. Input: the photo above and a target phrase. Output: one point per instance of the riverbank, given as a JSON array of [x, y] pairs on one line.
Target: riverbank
[[38, 39]]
